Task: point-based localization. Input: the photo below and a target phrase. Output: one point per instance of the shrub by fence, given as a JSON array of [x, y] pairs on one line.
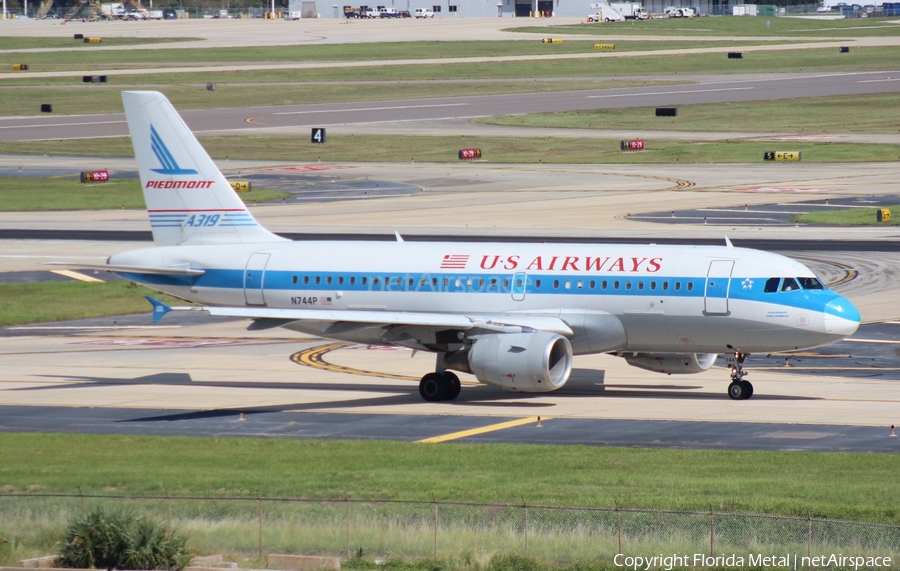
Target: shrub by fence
[[256, 526]]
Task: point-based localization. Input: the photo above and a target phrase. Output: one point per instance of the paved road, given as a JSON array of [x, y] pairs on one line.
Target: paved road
[[711, 91]]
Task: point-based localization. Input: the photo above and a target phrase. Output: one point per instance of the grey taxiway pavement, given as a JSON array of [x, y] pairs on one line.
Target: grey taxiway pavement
[[715, 89]]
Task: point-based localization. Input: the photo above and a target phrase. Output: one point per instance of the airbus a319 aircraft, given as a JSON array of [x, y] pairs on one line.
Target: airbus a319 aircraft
[[513, 315]]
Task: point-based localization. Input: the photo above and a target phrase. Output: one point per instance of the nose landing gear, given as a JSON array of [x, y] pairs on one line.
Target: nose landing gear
[[739, 389]]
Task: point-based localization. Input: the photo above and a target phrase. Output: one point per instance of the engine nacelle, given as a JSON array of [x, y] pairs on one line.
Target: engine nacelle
[[525, 362], [671, 363]]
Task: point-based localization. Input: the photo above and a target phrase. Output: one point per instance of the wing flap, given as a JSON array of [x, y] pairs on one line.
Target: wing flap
[[351, 318]]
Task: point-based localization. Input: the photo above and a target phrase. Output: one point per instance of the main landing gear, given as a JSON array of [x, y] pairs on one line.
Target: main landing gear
[[439, 386], [739, 389]]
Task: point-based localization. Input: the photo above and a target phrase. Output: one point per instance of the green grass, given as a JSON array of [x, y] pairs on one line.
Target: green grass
[[836, 485], [514, 150], [22, 96], [729, 26], [811, 115], [20, 43], [67, 193], [335, 52], [61, 301], [849, 217]]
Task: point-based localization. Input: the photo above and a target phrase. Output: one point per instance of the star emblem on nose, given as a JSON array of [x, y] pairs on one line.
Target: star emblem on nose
[[747, 283]]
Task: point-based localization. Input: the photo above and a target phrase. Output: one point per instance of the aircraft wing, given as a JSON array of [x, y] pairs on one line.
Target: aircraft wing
[[274, 317]]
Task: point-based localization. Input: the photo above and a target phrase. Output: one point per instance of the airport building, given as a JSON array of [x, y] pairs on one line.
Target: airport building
[[507, 8]]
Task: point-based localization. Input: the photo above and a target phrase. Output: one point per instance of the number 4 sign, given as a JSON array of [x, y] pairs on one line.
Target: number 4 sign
[[318, 135]]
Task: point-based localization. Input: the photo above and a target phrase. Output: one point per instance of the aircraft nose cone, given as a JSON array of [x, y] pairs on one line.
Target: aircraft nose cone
[[841, 318]]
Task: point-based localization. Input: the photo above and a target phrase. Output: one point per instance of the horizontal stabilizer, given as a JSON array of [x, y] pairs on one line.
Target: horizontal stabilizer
[[162, 271]]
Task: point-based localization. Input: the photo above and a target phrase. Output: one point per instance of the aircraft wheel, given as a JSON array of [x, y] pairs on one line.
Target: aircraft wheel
[[432, 387], [736, 390], [748, 389], [453, 385]]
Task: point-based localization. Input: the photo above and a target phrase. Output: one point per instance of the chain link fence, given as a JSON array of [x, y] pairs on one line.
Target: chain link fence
[[254, 527]]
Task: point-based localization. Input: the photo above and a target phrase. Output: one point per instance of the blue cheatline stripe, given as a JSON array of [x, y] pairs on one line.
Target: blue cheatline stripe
[[812, 300]]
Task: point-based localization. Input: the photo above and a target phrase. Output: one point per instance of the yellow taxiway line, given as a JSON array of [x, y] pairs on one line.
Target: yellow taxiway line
[[483, 429]]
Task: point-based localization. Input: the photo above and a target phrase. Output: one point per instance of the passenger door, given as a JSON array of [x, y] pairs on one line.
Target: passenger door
[[718, 280], [254, 276]]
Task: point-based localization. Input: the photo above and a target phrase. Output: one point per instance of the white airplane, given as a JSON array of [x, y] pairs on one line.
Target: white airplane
[[511, 314]]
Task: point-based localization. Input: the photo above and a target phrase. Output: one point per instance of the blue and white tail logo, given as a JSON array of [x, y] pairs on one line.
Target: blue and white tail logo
[[170, 166]]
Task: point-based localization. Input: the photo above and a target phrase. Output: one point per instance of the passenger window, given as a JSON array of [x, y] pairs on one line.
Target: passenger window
[[771, 285], [641, 284], [789, 284], [469, 283], [363, 280], [446, 282], [433, 282], [375, 281], [591, 284], [568, 284], [340, 280], [422, 282], [458, 282], [677, 286], [411, 282], [398, 282], [481, 283], [352, 280], [665, 286], [305, 280], [628, 284], [555, 284], [493, 283], [652, 285], [811, 283], [294, 280], [506, 283], [616, 284], [579, 284], [604, 284], [328, 280], [318, 280], [537, 284], [690, 286]]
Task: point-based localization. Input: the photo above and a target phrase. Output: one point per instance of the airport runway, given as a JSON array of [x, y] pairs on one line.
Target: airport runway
[[272, 120], [189, 377]]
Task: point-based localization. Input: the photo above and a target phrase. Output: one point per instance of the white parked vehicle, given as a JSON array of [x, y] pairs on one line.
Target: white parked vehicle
[[154, 15], [631, 10], [605, 13], [424, 13], [295, 15]]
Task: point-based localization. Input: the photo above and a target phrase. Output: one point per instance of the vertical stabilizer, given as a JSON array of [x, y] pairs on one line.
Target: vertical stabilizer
[[189, 201]]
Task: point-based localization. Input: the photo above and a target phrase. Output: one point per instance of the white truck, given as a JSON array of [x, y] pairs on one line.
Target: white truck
[[605, 13], [631, 10]]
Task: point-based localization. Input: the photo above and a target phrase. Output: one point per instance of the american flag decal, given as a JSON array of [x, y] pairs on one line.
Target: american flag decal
[[326, 301], [454, 262]]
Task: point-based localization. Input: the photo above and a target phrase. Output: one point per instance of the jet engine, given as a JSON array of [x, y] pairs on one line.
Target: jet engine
[[671, 363], [526, 362]]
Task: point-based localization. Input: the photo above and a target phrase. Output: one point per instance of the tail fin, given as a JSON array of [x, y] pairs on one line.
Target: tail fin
[[188, 199]]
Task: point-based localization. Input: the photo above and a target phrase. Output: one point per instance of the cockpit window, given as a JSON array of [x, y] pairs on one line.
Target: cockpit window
[[790, 284], [772, 285], [811, 283]]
